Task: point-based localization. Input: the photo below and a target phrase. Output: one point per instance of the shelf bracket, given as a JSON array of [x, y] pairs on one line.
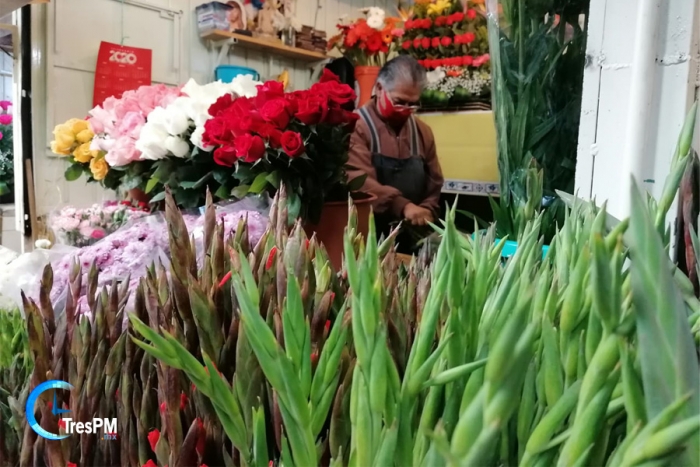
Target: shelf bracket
[[225, 47]]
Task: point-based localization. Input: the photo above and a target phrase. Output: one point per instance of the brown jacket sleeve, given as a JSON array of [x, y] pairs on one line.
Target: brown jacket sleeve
[[435, 178], [389, 199]]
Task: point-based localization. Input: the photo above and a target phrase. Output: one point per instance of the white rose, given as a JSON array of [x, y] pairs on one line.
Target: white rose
[[196, 139], [177, 122], [177, 146], [152, 142]]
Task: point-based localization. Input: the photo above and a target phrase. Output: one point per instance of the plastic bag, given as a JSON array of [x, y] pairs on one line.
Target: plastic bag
[[25, 272]]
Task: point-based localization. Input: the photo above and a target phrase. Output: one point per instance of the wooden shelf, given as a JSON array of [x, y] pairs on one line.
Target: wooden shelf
[[276, 48]]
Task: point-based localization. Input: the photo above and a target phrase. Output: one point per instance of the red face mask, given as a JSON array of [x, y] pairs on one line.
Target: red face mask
[[391, 112]]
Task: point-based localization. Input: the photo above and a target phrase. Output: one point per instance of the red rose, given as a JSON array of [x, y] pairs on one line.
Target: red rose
[[292, 143], [225, 156], [328, 76], [406, 45], [275, 112], [471, 14], [337, 93], [469, 37], [271, 134], [214, 130], [440, 21], [417, 43], [292, 102], [337, 117], [446, 41], [250, 123], [153, 438], [268, 91], [408, 25], [427, 23], [458, 17], [467, 60], [222, 104], [250, 148], [425, 43], [435, 42], [312, 110]]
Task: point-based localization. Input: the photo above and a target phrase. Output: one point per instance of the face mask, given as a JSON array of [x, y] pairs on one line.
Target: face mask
[[391, 112]]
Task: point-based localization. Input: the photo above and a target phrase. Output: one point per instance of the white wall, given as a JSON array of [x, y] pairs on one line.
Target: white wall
[[66, 37], [606, 97]]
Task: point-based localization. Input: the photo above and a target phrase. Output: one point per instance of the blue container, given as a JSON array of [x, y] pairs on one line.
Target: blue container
[[226, 73], [511, 247]]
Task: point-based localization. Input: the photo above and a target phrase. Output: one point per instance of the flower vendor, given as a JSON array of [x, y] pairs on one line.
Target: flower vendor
[[397, 151]]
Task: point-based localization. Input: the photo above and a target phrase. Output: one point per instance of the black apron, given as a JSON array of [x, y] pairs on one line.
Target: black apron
[[409, 176]]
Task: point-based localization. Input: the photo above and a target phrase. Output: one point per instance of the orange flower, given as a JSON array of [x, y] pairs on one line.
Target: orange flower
[[453, 73]]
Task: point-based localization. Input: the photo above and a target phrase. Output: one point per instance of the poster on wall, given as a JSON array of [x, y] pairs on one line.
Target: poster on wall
[[120, 68]]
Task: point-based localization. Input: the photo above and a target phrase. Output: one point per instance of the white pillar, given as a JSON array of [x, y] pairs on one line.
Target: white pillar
[[617, 108]]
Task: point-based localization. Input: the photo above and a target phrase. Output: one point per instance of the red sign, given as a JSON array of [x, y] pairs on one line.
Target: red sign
[[120, 68]]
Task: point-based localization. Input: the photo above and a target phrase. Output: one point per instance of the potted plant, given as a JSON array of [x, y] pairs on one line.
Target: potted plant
[[367, 43], [7, 171], [298, 140]]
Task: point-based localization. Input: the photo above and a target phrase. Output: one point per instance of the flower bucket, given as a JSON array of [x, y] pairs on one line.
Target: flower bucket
[[511, 247], [365, 76], [334, 218]]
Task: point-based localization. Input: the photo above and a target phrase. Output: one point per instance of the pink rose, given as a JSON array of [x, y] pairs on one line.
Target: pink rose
[[98, 234], [4, 105], [5, 119], [131, 125], [122, 153]]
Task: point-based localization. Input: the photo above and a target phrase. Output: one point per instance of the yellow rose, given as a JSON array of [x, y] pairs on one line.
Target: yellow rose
[[99, 168], [85, 136], [76, 125], [64, 139], [83, 153]]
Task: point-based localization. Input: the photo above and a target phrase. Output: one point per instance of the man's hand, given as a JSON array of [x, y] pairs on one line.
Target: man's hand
[[417, 215]]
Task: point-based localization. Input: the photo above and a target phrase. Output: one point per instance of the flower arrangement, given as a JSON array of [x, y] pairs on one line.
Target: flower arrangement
[[7, 162], [150, 138], [444, 34], [455, 86], [83, 227], [299, 139], [367, 41]]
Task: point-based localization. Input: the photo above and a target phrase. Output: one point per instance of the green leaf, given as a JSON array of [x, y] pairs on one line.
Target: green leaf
[[241, 191], [159, 197], [4, 189], [293, 207], [73, 172], [259, 183], [666, 347], [152, 183], [274, 179], [195, 185], [223, 192], [357, 183]]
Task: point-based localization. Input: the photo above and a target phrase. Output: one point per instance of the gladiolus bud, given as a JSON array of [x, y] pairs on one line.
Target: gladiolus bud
[[70, 464], [163, 407], [62, 424], [226, 278], [116, 395], [271, 258], [183, 401], [153, 438], [150, 463]]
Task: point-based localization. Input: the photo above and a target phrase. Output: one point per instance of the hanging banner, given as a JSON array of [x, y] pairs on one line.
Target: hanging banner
[[120, 68]]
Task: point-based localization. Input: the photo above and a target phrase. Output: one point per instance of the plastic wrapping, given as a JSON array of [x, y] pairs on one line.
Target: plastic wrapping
[[83, 227], [129, 251]]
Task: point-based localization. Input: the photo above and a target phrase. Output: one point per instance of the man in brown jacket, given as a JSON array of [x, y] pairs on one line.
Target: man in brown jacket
[[395, 150]]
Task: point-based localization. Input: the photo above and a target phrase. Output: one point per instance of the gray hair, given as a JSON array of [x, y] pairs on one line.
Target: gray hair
[[402, 69]]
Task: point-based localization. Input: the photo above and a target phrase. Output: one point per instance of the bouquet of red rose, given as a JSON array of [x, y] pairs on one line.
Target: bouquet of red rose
[[297, 138]]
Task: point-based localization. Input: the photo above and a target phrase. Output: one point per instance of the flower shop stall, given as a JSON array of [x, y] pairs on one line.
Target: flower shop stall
[[466, 148]]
